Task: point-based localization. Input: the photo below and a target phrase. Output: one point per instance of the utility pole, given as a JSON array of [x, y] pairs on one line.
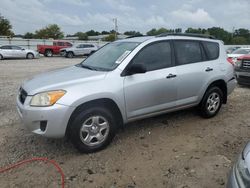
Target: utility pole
[[116, 27]]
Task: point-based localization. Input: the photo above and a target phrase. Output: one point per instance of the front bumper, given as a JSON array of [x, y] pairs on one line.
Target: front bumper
[[56, 118], [232, 182], [243, 77]]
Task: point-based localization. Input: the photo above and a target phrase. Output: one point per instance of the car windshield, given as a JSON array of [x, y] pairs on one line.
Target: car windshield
[[109, 56], [241, 51]]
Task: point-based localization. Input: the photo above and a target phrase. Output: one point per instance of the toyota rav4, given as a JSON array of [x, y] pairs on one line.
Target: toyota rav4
[[124, 81]]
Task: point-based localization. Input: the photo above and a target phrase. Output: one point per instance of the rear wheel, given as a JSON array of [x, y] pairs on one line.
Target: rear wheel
[[48, 53], [30, 56], [70, 55], [92, 129], [211, 102]]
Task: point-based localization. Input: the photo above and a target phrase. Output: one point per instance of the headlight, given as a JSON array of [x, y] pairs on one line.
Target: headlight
[[46, 98], [238, 63]]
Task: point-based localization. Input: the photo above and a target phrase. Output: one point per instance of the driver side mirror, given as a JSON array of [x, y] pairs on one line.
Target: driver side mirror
[[136, 69]]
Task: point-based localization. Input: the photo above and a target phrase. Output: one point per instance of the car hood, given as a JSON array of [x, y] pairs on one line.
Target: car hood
[[59, 79], [234, 55]]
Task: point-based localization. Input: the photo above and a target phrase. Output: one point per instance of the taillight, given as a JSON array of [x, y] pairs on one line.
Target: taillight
[[230, 60]]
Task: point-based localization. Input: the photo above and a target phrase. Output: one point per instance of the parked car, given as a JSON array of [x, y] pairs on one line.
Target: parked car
[[50, 50], [78, 50], [124, 81], [12, 51], [240, 174], [242, 70], [237, 53], [231, 49]]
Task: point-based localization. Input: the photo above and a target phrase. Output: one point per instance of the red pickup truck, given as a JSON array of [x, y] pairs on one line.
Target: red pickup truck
[[49, 50]]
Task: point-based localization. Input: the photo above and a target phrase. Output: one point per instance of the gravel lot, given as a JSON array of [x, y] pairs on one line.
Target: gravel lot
[[175, 150]]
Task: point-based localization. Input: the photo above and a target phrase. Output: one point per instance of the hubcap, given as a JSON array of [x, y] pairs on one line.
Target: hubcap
[[94, 130], [213, 102], [30, 56]]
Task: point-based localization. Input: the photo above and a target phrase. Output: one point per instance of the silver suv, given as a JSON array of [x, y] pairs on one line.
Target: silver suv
[[124, 81], [78, 49]]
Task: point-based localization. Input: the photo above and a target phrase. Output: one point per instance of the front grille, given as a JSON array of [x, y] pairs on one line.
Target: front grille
[[246, 64], [22, 95]]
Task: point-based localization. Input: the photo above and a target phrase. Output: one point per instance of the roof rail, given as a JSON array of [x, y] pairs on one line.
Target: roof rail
[[187, 35], [133, 36]]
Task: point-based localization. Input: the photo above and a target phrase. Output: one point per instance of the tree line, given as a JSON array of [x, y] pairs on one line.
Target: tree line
[[239, 36]]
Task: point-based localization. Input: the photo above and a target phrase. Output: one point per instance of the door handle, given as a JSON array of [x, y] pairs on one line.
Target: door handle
[[209, 69], [171, 76]]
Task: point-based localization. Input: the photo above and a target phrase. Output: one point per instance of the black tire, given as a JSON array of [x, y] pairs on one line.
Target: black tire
[[207, 102], [76, 135], [1, 57], [48, 53], [70, 55], [30, 56]]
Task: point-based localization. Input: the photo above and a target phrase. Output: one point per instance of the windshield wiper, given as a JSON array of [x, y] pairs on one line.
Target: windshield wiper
[[87, 67]]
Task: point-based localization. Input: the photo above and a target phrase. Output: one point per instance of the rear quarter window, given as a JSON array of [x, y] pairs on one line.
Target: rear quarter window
[[212, 50]]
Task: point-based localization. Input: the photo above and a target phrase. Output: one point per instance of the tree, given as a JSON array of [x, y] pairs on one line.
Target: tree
[[50, 31], [28, 35], [105, 32], [154, 31], [133, 33], [239, 40], [92, 33], [197, 31], [5, 27], [81, 36], [245, 33], [221, 34], [110, 37]]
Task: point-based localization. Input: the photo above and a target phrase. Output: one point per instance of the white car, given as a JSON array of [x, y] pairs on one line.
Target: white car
[[237, 53], [78, 50], [11, 51]]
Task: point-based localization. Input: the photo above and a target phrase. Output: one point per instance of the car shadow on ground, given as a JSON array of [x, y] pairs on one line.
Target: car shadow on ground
[[35, 145]]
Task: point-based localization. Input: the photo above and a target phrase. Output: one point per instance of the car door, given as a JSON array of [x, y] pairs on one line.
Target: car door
[[155, 90], [18, 52], [79, 50], [193, 71], [6, 51]]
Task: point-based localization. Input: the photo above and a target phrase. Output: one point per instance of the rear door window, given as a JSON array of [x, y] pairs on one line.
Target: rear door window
[[187, 51]]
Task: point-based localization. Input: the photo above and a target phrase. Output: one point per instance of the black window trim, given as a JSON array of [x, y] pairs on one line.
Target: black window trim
[[203, 52], [206, 50], [124, 72]]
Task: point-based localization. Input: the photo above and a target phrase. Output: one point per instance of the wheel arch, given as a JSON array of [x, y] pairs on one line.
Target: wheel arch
[[220, 84], [102, 102], [30, 53]]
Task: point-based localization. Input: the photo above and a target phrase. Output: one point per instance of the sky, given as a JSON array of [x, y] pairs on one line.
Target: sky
[[140, 15]]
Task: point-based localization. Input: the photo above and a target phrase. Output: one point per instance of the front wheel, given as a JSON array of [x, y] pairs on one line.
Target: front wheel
[[211, 102], [92, 129], [70, 55], [30, 56]]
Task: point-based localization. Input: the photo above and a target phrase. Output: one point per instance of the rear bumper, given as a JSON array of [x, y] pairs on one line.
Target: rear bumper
[[231, 84]]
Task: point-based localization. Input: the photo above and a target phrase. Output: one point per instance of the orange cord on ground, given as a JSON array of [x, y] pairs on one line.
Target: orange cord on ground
[[4, 169]]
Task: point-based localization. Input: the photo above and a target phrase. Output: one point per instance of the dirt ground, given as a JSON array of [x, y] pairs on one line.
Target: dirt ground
[[174, 150]]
